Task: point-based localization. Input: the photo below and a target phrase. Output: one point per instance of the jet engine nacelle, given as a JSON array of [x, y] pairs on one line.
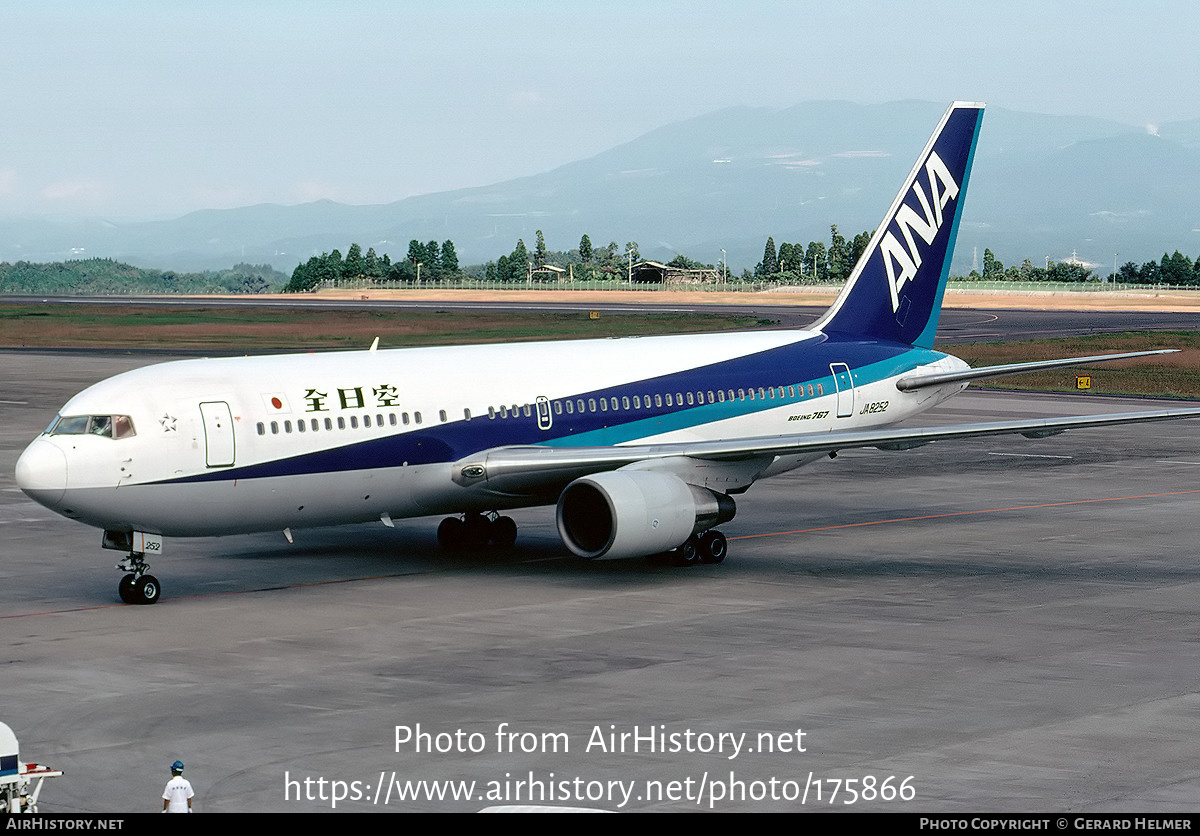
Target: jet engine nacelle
[[635, 513]]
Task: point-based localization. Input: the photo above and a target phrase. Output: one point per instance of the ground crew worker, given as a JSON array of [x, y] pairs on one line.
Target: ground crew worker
[[177, 797]]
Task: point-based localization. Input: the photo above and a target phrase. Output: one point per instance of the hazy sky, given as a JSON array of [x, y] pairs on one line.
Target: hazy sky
[[146, 109]]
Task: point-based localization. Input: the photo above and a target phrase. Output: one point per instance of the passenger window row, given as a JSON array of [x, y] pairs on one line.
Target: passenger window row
[[303, 425], [581, 406], [657, 401], [568, 406]]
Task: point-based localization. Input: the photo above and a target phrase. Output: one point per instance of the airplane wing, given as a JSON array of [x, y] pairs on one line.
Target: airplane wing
[[536, 469]]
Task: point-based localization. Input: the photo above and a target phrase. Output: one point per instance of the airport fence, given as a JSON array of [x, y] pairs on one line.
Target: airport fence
[[608, 285], [736, 286]]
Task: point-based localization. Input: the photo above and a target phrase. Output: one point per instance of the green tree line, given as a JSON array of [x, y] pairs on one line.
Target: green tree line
[[425, 262], [432, 261], [587, 261], [814, 264], [787, 263], [104, 276], [1175, 270]]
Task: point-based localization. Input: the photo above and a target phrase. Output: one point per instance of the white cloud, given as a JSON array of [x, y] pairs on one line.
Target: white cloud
[[76, 191], [220, 196], [525, 98], [306, 191]]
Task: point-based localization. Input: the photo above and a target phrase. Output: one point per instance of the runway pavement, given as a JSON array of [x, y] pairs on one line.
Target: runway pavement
[[992, 625]]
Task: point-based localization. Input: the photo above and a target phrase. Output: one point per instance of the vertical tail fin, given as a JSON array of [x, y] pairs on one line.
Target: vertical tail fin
[[895, 291]]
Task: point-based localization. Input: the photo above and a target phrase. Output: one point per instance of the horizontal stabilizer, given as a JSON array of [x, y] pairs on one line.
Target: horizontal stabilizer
[[919, 381]]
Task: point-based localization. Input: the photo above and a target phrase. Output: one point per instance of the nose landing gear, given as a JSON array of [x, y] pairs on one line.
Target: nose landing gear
[[137, 586]]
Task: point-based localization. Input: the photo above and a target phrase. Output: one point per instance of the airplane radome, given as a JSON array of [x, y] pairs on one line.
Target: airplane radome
[[642, 444]]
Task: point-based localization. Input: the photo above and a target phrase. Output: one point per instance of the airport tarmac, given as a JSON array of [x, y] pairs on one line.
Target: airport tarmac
[[990, 625]]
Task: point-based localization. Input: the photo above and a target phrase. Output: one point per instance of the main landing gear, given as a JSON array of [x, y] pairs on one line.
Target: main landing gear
[[138, 587], [706, 547], [477, 531]]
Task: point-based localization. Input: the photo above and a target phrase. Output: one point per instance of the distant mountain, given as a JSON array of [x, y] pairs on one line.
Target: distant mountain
[[1043, 185]]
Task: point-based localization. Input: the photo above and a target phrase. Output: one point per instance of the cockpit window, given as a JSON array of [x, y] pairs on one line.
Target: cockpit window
[[70, 425], [105, 426], [123, 426], [100, 425]]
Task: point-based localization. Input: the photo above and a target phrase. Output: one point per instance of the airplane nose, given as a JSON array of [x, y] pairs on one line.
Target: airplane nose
[[42, 473]]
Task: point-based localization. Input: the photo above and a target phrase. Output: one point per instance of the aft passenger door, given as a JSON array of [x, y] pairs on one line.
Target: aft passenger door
[[218, 433], [845, 389]]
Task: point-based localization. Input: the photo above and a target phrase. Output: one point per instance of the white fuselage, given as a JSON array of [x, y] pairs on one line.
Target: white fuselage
[[223, 446]]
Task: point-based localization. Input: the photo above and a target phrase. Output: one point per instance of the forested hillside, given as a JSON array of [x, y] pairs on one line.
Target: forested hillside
[[101, 276]]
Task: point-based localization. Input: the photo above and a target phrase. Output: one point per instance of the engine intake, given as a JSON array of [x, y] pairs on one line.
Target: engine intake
[[635, 513]]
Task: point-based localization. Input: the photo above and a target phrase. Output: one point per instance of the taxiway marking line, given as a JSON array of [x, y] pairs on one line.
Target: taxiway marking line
[[965, 514]]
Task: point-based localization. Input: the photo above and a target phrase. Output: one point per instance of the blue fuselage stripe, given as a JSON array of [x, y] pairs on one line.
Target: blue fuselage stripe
[[798, 364]]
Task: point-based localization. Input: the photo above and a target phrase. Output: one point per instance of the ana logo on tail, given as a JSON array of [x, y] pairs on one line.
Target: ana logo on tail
[[906, 259], [911, 249]]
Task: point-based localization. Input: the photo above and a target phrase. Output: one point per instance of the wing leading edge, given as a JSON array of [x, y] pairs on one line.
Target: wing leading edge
[[535, 470]]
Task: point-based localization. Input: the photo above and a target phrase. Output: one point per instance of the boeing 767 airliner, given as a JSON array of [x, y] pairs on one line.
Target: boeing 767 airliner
[[641, 443]]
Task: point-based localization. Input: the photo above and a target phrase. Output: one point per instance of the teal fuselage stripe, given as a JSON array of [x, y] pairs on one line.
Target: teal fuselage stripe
[[695, 416], [801, 364]]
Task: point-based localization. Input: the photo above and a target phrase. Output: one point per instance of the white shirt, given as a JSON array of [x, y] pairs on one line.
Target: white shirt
[[178, 791]]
